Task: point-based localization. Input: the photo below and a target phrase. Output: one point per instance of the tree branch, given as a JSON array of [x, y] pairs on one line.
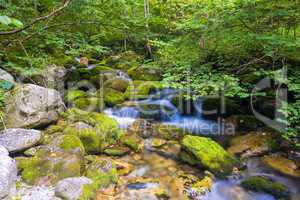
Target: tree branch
[[53, 13]]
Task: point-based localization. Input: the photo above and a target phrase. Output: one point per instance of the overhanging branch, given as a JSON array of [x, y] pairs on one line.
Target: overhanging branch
[[53, 13]]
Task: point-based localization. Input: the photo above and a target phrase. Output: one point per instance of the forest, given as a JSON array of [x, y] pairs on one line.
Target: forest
[[149, 99]]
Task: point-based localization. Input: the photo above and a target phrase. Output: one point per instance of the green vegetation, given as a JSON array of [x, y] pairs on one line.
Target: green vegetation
[[203, 45]]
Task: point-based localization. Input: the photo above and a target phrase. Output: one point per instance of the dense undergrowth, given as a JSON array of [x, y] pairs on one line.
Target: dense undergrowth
[[206, 46]]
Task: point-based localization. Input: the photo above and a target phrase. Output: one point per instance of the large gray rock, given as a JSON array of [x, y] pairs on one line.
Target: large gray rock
[[71, 188], [36, 193], [3, 151], [8, 177], [15, 140], [32, 106], [6, 76]]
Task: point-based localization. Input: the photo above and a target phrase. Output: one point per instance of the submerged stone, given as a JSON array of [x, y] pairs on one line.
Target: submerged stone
[[252, 144], [283, 165], [263, 184]]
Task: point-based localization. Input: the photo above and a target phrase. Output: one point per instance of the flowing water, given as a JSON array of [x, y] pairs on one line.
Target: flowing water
[[162, 110]]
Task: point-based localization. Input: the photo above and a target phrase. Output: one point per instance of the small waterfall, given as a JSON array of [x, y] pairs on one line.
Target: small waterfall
[[159, 107], [123, 75]]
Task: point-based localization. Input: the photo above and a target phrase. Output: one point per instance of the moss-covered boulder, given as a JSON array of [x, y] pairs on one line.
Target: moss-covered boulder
[[51, 165], [141, 89], [118, 84], [95, 130], [99, 69], [263, 184], [282, 164], [113, 97], [92, 104], [102, 172], [252, 144], [72, 95], [134, 142], [209, 154], [145, 73]]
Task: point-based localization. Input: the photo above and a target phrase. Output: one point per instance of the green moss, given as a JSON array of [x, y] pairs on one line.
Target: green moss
[[103, 172], [91, 140], [71, 142], [113, 97], [49, 165], [105, 131], [72, 95], [89, 104], [116, 151], [118, 84], [209, 154], [132, 141], [262, 184], [99, 69], [31, 169], [141, 89]]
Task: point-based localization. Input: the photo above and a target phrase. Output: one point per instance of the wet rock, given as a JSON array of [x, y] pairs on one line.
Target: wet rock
[[50, 165], [3, 151], [252, 144], [117, 151], [103, 173], [142, 128], [263, 184], [285, 166], [32, 106], [16, 140], [113, 97], [169, 149], [8, 177], [6, 76], [169, 132], [36, 193], [118, 84], [201, 187], [209, 154], [123, 168], [71, 188]]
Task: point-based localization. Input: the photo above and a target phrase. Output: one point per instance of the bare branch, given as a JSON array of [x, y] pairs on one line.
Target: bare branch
[[53, 13]]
